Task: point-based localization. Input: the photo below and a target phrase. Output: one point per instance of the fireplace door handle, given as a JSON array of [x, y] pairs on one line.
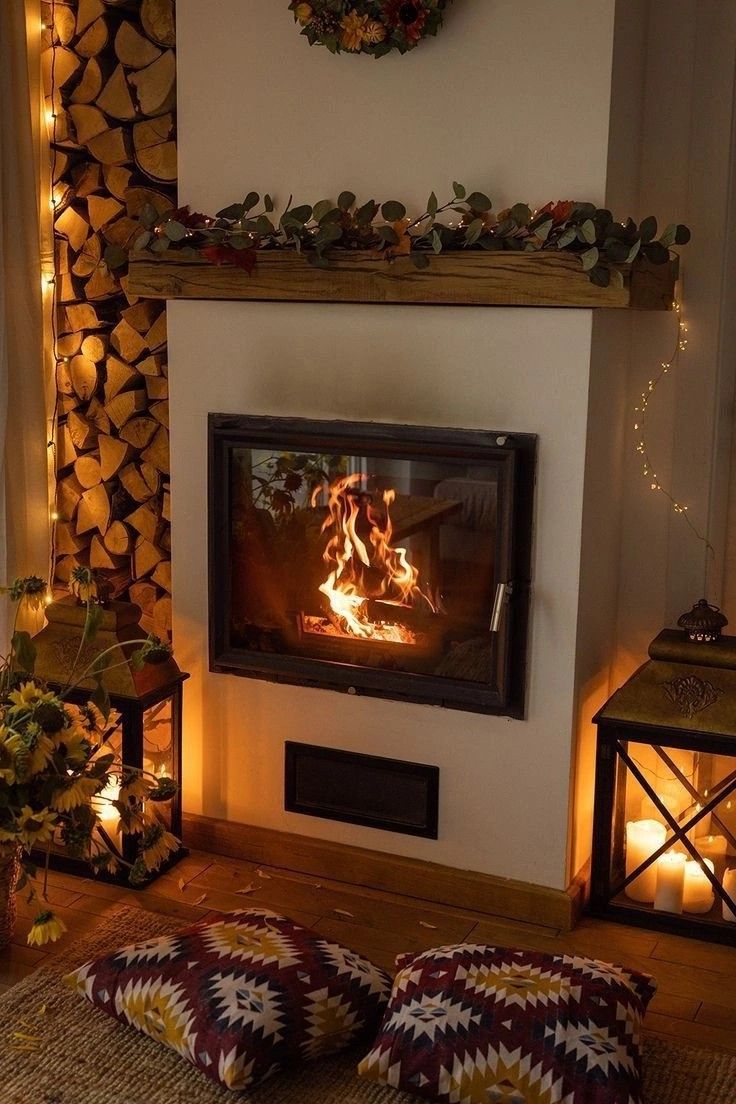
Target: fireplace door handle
[[500, 602]]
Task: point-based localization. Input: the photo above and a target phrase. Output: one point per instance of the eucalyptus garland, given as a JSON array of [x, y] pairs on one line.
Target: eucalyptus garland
[[466, 221], [373, 27]]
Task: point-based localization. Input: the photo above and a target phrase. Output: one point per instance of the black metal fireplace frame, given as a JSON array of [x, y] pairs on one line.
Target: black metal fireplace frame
[[515, 453]]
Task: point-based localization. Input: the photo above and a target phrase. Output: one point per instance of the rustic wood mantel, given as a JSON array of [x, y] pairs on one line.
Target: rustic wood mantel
[[550, 279]]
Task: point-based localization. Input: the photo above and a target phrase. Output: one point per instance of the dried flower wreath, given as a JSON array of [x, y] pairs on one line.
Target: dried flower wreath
[[368, 26]]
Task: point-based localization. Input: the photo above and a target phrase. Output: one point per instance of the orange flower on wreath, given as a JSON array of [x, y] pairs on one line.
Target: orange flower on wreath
[[403, 246], [408, 17], [354, 28]]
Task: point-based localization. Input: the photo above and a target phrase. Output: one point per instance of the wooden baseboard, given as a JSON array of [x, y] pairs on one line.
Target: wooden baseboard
[[468, 889]]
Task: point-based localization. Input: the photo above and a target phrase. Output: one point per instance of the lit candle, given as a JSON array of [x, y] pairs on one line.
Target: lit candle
[[650, 811], [643, 838], [711, 847], [698, 895], [729, 884], [107, 813], [670, 882]]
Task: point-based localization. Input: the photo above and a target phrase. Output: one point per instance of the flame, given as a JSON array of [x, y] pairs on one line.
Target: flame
[[363, 564]]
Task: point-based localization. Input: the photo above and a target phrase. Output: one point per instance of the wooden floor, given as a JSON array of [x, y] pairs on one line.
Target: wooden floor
[[695, 1002]]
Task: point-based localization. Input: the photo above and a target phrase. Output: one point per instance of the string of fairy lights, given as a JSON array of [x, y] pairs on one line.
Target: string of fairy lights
[[48, 288], [641, 413]]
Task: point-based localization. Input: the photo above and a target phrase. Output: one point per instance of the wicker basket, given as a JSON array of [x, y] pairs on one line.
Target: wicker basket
[[9, 873]]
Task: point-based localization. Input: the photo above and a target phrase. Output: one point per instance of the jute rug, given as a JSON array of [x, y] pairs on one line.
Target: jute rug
[[86, 1057]]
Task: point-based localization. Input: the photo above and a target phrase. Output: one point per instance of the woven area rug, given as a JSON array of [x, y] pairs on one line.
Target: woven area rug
[[88, 1058]]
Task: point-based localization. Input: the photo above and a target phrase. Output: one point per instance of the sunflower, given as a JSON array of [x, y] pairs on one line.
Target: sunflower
[[156, 846], [36, 827], [46, 928], [134, 786], [40, 750], [407, 18], [73, 793], [74, 744], [353, 30], [82, 584], [31, 590], [29, 695]]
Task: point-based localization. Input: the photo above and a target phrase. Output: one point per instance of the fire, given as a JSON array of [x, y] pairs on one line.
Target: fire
[[364, 566]]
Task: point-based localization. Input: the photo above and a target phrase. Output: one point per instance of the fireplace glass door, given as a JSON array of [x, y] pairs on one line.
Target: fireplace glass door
[[389, 560]]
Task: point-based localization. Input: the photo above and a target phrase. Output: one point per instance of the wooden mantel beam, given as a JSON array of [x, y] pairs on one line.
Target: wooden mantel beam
[[459, 279]]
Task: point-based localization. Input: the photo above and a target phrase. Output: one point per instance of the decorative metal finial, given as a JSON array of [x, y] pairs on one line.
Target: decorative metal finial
[[703, 623]]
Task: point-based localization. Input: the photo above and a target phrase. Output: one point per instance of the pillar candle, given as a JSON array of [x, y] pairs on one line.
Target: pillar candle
[[729, 884], [670, 882], [711, 847], [643, 838], [107, 813], [650, 811], [698, 895]]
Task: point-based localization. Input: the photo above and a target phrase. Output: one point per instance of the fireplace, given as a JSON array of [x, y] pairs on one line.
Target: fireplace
[[373, 559]]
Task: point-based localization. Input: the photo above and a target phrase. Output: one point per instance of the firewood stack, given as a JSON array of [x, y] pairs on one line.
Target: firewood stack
[[112, 65]]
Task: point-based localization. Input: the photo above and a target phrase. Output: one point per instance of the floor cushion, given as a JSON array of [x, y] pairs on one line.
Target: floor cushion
[[240, 995], [473, 1023]]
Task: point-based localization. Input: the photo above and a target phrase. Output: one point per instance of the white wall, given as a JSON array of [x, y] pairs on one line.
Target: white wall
[[259, 109]]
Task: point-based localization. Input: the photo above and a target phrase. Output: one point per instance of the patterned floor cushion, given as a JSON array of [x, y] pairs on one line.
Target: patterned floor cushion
[[486, 1025], [240, 995]]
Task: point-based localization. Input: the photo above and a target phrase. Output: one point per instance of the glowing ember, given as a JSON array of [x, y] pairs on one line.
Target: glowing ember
[[363, 565], [383, 631]]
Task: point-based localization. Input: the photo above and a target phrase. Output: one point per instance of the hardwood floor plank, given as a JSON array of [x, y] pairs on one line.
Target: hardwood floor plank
[[709, 956], [695, 1034], [679, 1008], [715, 1015]]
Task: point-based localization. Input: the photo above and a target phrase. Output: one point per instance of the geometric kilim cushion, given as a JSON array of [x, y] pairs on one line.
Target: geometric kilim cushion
[[487, 1025], [240, 995]]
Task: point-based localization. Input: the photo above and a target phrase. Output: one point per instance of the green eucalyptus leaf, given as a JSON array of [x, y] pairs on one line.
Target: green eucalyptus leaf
[[432, 205], [586, 232], [392, 210], [345, 200], [682, 234], [478, 201], [459, 190], [567, 237], [617, 278], [474, 231], [521, 214], [388, 235], [543, 228], [316, 260], [600, 276], [301, 214], [656, 252], [648, 229], [241, 241], [667, 237], [420, 260], [436, 242], [251, 200], [115, 257], [333, 215], [232, 213], [143, 240], [268, 203], [148, 216], [160, 245], [589, 259], [633, 252], [320, 209]]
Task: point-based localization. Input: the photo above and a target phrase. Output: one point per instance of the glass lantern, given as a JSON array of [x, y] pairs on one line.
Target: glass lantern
[[664, 842], [148, 703]]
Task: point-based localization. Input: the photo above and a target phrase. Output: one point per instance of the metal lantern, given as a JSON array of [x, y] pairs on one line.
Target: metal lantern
[[703, 623], [147, 735], [664, 843]]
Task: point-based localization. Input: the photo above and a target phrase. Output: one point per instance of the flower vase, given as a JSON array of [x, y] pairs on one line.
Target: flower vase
[[9, 874]]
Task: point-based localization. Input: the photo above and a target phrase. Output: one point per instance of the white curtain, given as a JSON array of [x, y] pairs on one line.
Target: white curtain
[[26, 382]]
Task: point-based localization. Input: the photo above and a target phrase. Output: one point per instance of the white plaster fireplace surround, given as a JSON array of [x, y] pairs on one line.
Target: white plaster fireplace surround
[[259, 109]]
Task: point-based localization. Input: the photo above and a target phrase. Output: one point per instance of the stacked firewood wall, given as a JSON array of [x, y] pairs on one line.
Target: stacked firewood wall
[[109, 74]]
